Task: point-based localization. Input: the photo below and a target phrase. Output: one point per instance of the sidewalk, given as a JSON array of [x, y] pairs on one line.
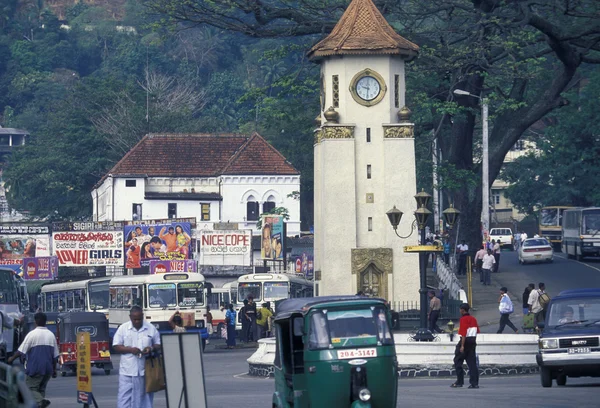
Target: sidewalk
[[485, 304]]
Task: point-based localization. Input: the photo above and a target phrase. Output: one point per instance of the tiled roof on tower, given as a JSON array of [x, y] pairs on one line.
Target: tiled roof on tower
[[363, 30]]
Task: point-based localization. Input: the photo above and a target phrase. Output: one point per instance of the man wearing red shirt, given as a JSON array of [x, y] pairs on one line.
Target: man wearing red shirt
[[465, 349]]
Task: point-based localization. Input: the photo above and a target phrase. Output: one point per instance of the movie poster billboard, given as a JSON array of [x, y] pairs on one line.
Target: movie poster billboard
[[225, 247], [185, 265], [18, 241], [163, 242], [304, 265], [273, 237], [88, 248], [42, 268]]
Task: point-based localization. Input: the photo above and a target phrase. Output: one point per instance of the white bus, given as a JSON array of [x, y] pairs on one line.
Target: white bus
[[270, 287], [159, 295], [218, 299], [581, 232], [80, 296]]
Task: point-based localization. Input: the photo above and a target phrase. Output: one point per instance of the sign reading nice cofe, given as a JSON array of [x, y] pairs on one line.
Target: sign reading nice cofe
[[90, 248], [225, 247]]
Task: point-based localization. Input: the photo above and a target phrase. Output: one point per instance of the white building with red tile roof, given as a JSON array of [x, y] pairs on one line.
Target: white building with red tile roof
[[214, 178]]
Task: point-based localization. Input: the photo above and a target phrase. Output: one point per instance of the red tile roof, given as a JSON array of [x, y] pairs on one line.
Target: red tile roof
[[202, 155], [363, 30]]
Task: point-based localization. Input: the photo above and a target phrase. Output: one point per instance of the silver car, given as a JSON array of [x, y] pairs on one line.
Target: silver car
[[536, 250]]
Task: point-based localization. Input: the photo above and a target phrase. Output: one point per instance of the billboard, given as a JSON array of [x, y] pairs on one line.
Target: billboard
[[22, 241], [88, 226], [272, 244], [88, 248], [40, 268], [164, 242], [186, 265], [225, 247]]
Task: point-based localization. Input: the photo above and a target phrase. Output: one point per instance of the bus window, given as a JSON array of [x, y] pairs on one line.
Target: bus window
[[249, 288], [113, 298], [213, 300], [234, 296], [136, 297], [161, 295], [224, 299], [78, 298], [98, 295], [190, 294], [8, 289], [277, 290], [127, 299]]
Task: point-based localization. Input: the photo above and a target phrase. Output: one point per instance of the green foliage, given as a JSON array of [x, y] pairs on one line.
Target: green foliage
[[275, 211]]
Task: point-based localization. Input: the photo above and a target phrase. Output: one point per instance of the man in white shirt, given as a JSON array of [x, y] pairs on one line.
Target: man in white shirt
[[497, 250], [135, 340], [523, 237], [488, 265], [462, 249], [479, 261], [534, 302]]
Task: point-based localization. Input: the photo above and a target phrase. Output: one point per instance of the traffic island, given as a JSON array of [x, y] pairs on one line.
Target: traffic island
[[498, 354]]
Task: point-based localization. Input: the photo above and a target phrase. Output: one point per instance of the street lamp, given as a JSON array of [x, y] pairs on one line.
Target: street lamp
[[485, 172], [421, 216]]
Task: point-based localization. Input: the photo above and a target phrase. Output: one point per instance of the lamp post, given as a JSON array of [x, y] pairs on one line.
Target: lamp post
[[485, 172], [421, 216]]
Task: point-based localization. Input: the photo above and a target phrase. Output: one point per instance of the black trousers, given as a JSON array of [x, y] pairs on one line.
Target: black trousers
[[505, 321], [497, 264], [433, 318], [469, 355]]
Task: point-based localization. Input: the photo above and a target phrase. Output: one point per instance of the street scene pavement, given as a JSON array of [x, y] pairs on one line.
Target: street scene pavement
[[228, 384]]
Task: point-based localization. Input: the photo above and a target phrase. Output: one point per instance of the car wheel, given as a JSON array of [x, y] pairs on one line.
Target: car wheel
[[546, 377], [561, 379]]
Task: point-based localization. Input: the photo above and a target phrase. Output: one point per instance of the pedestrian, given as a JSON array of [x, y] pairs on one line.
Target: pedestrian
[[435, 306], [526, 294], [250, 312], [447, 251], [462, 249], [135, 340], [523, 237], [263, 321], [209, 323], [496, 251], [487, 266], [479, 261], [176, 323], [230, 322], [517, 241], [466, 349], [41, 351], [6, 322], [244, 321], [505, 306], [538, 301]]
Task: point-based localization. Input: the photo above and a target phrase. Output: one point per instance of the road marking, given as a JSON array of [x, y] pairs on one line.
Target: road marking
[[579, 262]]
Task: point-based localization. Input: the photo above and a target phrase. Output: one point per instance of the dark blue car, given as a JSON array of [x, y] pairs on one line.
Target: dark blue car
[[570, 339]]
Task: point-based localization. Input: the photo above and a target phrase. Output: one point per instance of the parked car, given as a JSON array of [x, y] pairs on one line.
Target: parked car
[[504, 235], [536, 250], [569, 339]]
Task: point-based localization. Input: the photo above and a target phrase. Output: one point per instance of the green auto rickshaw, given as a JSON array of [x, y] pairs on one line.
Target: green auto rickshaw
[[334, 351]]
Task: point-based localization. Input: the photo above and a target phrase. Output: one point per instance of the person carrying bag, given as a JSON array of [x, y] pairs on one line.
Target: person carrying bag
[[155, 374], [505, 307]]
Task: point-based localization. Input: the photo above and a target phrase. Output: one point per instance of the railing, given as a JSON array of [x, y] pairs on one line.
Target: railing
[[447, 277], [409, 313], [14, 393]]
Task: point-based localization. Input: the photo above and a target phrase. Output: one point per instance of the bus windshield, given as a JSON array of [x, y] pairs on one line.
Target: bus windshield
[[349, 328], [276, 290], [591, 222], [249, 288], [8, 289], [190, 294], [162, 295], [98, 294], [549, 217]]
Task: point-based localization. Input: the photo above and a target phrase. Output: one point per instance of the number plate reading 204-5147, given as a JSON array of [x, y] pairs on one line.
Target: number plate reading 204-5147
[[579, 350], [357, 353]]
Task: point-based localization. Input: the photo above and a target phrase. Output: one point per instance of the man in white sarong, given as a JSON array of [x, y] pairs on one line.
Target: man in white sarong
[[134, 340]]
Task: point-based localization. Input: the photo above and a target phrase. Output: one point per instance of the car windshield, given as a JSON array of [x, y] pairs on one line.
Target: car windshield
[[162, 295], [349, 328], [535, 242], [574, 312], [276, 290], [190, 294], [249, 288]]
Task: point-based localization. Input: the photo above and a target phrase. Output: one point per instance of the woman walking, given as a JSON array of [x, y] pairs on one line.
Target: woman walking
[[230, 321]]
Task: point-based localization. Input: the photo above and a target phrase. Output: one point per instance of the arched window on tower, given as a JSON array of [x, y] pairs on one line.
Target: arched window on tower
[[252, 209]]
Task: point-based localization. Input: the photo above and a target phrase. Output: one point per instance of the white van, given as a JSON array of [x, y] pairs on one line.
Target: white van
[[505, 236]]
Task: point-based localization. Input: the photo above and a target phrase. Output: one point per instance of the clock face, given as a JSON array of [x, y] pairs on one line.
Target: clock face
[[368, 88]]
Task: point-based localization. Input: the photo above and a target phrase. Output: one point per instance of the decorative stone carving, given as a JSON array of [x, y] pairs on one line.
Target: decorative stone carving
[[404, 115], [331, 115], [367, 262], [318, 135], [406, 131], [337, 132]]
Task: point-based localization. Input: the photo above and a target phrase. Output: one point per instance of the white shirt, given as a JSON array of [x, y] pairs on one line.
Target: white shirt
[[534, 301], [463, 247], [523, 236], [496, 248], [488, 261], [126, 335]]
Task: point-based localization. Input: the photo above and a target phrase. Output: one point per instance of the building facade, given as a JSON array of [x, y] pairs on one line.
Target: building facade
[[364, 160], [228, 178]]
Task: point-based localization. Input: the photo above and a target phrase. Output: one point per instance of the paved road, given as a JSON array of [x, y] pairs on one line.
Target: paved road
[[227, 388]]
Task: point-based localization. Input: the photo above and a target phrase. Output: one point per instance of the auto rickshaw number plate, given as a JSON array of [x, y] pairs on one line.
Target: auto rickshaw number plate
[[357, 353], [105, 353]]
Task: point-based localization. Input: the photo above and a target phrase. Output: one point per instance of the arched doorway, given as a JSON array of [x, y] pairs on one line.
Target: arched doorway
[[371, 281]]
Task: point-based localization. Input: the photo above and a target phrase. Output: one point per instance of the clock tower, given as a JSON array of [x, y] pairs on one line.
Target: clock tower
[[364, 160]]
